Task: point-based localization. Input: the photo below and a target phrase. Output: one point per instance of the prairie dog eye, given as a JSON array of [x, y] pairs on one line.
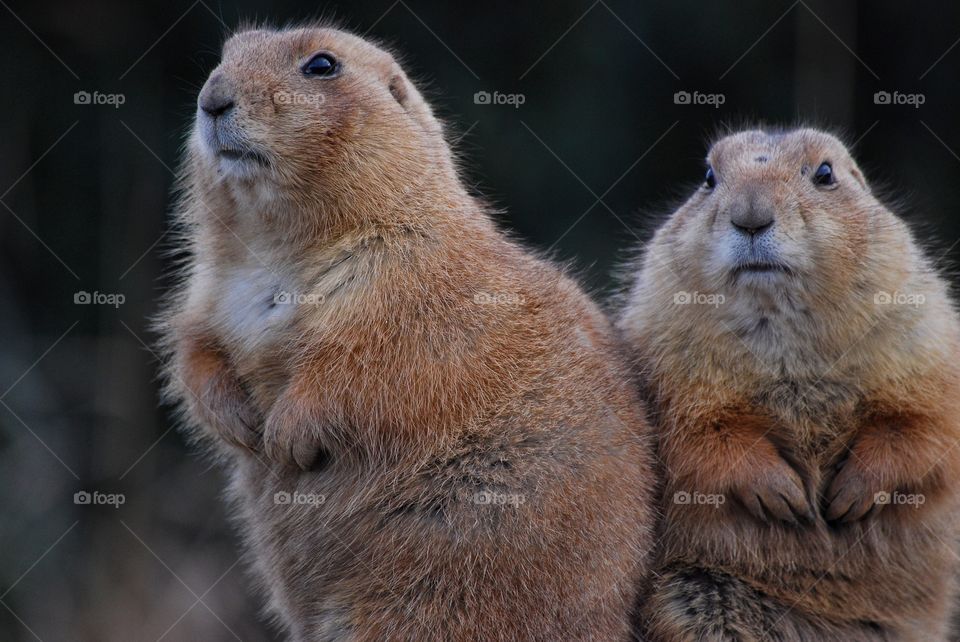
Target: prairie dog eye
[[710, 180], [824, 175], [321, 64]]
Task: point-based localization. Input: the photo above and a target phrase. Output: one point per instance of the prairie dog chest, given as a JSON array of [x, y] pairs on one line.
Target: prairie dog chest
[[254, 310], [817, 416], [262, 312]]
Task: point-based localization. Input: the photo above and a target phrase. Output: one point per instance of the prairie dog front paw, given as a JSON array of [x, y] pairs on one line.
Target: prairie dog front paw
[[291, 435], [217, 400], [773, 490], [853, 493]]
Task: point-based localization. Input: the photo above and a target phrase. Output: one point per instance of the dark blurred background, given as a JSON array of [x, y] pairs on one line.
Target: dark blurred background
[[597, 149]]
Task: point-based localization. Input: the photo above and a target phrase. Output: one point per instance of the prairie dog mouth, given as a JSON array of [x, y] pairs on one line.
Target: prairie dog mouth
[[761, 267], [237, 155], [223, 139]]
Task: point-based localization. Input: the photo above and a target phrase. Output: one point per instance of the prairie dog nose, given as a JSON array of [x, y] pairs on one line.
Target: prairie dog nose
[[216, 97], [752, 217]]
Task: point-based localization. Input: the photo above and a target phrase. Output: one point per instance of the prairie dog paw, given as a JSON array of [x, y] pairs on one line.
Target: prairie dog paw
[[853, 494], [775, 491], [225, 408], [291, 437]]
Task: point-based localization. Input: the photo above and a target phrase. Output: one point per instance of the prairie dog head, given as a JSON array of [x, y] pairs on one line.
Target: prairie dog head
[[783, 248], [778, 211], [315, 119]]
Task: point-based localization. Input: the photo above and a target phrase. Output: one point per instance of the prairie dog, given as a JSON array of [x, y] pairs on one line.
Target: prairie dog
[[801, 355], [429, 431]]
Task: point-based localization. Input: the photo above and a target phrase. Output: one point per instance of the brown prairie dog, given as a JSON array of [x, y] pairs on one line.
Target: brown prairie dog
[[428, 430], [801, 355]]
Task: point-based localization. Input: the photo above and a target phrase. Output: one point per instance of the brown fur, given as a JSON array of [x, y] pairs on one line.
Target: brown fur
[[394, 392], [796, 399]]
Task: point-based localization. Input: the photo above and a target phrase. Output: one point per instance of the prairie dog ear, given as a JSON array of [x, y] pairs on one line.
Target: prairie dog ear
[[398, 88], [407, 96], [858, 175]]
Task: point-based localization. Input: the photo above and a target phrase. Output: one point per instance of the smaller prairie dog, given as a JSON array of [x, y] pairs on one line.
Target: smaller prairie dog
[[430, 432], [802, 359]]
